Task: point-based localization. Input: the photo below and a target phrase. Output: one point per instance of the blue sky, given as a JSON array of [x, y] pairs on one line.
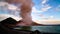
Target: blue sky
[[48, 9], [45, 9]]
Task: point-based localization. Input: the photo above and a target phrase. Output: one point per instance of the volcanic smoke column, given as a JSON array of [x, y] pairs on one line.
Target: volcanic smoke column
[[26, 6], [26, 12]]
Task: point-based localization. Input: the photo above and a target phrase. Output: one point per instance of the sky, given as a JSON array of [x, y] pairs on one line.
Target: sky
[[42, 10], [46, 9]]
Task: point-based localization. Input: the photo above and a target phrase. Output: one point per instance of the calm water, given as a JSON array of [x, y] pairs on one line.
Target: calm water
[[50, 29]]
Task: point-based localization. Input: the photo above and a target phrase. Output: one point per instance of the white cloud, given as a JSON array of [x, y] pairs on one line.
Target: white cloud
[[57, 8], [11, 7], [7, 7], [51, 17], [44, 1], [48, 18], [45, 8], [35, 10]]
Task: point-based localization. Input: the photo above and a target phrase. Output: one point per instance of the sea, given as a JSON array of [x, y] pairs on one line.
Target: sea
[[45, 29]]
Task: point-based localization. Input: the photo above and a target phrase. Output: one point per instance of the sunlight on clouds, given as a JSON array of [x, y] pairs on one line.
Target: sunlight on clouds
[[48, 22], [4, 16], [44, 1], [48, 18], [45, 8], [14, 10], [11, 7], [42, 16], [35, 10], [42, 10], [51, 17]]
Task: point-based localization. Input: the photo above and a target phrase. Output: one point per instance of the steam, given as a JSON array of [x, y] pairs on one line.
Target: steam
[[25, 13]]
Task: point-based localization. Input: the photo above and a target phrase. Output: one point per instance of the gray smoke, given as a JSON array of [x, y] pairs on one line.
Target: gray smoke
[[25, 13]]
